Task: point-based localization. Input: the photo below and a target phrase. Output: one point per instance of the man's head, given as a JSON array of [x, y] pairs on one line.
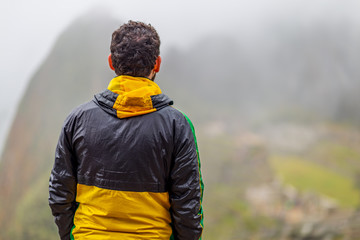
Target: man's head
[[135, 48]]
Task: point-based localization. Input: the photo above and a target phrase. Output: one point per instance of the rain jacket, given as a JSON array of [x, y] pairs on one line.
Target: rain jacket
[[127, 167]]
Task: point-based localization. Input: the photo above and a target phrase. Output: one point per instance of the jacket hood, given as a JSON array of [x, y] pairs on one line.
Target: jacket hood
[[128, 96]]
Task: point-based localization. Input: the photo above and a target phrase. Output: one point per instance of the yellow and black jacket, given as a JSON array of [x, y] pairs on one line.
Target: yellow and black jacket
[[127, 167]]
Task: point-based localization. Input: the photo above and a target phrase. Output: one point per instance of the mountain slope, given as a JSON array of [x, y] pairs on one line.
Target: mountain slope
[[74, 71]]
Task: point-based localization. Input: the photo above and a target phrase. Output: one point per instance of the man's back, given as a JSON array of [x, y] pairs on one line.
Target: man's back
[[132, 172]]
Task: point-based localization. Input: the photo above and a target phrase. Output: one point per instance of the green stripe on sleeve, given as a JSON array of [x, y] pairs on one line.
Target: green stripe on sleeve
[[199, 165]]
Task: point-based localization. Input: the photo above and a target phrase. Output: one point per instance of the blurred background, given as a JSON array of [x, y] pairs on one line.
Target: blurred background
[[272, 87]]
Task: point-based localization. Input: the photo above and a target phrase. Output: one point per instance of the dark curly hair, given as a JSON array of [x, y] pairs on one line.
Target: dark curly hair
[[134, 49]]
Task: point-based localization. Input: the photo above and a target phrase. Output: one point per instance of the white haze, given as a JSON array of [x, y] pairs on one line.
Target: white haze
[[29, 28]]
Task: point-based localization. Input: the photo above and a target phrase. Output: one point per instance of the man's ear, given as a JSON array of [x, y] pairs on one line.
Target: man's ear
[[157, 64], [110, 62]]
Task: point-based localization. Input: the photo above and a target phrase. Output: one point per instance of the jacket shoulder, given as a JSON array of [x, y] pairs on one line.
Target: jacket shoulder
[[178, 114], [78, 112]]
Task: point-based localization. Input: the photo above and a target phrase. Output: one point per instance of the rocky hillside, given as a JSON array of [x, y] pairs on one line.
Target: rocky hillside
[[74, 71]]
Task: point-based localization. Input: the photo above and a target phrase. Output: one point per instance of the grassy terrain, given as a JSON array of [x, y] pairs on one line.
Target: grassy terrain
[[343, 159], [309, 176], [33, 219]]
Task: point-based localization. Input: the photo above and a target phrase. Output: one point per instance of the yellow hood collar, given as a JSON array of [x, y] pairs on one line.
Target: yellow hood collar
[[134, 95]]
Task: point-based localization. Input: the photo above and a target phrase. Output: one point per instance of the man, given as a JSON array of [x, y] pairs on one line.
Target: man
[[126, 164]]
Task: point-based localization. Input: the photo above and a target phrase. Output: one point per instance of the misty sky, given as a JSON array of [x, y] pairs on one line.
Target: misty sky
[[29, 28]]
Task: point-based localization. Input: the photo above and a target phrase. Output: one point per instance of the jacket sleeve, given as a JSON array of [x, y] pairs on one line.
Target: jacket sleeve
[[62, 185], [186, 188]]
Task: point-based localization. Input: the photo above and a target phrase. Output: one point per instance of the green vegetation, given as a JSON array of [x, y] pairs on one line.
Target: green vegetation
[[33, 219], [341, 158], [306, 175], [233, 217]]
